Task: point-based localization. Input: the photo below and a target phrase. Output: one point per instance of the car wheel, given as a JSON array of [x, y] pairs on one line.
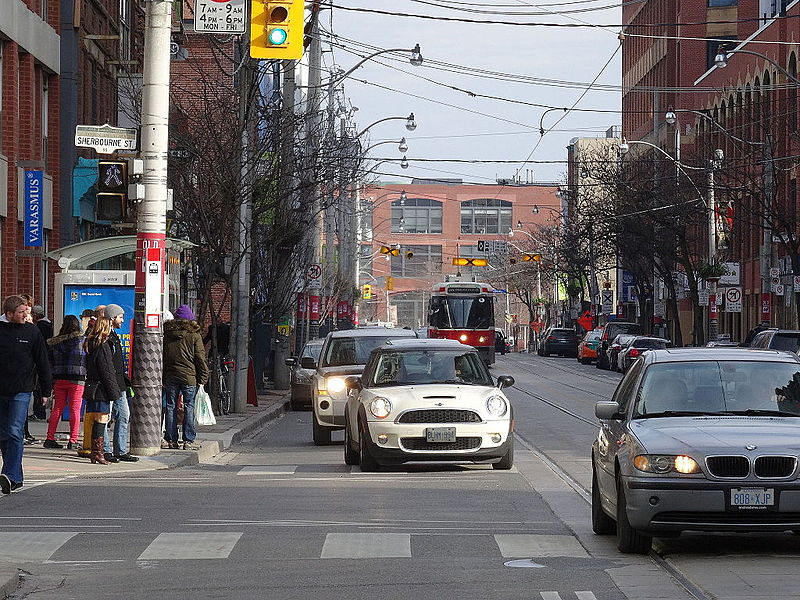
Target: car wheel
[[585, 361], [322, 435], [545, 353], [296, 404], [601, 364], [629, 540], [350, 455], [602, 524], [505, 463], [366, 461]]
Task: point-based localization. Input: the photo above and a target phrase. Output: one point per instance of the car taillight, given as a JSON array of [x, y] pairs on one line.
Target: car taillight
[[550, 338], [634, 353]]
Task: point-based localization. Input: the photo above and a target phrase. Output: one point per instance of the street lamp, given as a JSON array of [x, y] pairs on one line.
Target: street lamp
[[416, 57], [403, 197], [411, 124], [404, 162], [721, 60], [535, 209], [403, 147]]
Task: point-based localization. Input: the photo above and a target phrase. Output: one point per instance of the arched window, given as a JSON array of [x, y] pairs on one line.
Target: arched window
[[416, 215], [766, 103], [486, 215], [793, 108]]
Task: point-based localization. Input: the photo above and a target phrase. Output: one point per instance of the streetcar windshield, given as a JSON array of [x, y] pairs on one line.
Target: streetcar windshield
[[461, 313]]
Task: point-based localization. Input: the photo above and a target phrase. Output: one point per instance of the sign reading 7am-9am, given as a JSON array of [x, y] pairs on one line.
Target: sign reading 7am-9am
[[219, 16]]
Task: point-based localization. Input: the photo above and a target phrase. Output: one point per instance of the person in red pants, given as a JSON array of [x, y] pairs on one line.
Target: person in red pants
[[68, 364]]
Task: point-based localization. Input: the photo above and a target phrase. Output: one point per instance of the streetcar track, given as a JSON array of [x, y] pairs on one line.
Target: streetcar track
[[557, 406], [561, 383], [601, 379]]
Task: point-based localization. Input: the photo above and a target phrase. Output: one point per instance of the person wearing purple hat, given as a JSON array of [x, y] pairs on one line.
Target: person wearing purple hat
[[185, 368]]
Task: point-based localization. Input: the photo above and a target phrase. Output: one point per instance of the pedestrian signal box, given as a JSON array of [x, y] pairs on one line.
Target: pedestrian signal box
[[276, 28], [366, 291], [112, 190]]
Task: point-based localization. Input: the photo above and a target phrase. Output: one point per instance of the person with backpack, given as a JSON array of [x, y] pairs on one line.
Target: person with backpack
[[101, 387]]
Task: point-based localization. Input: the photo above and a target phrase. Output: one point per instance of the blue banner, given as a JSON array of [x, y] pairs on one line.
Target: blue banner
[[34, 226]]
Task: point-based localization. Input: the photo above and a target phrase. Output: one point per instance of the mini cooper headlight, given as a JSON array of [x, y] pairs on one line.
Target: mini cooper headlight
[[380, 407], [666, 463], [497, 406], [335, 384]]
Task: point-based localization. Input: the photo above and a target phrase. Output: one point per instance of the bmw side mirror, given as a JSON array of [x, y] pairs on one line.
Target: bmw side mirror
[[606, 410], [353, 383], [290, 362], [505, 381], [308, 362]]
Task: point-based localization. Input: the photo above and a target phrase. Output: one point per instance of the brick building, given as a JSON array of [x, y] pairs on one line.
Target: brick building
[[29, 142], [438, 222]]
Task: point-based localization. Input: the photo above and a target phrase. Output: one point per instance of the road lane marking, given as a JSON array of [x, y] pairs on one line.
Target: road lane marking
[[53, 518], [550, 595], [367, 545], [32, 545], [191, 546], [268, 470], [537, 546], [585, 596]]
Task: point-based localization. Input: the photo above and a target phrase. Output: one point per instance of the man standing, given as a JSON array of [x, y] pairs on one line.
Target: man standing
[[23, 355], [46, 329], [120, 411]]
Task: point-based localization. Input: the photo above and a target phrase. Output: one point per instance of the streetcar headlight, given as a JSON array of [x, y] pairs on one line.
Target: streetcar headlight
[[497, 406], [463, 337], [666, 463], [481, 339], [335, 384], [380, 407]]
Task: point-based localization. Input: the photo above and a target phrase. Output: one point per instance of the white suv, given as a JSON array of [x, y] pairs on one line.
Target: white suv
[[344, 353]]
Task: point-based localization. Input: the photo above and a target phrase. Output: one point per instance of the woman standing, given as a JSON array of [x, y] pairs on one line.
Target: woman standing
[[68, 363], [101, 383]]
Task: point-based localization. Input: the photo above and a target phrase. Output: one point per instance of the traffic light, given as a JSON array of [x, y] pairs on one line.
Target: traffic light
[[392, 251], [366, 291], [112, 190], [276, 28], [409, 254], [531, 257], [470, 262]]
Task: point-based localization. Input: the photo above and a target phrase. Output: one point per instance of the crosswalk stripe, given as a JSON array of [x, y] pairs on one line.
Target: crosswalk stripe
[[367, 545], [523, 545], [32, 545], [585, 596], [268, 470], [191, 546], [550, 595]]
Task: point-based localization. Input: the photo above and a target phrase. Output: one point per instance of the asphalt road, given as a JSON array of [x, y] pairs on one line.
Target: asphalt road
[[278, 517]]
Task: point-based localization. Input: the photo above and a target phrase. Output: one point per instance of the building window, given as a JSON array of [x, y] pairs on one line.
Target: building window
[[486, 215], [45, 116], [1, 96], [125, 31], [416, 215], [794, 112], [365, 258], [426, 260], [714, 3], [412, 309], [712, 46]]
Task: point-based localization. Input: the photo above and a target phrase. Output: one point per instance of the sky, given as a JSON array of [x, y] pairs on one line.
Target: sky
[[454, 125]]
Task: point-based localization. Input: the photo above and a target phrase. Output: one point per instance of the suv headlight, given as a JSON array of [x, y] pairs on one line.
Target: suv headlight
[[666, 463], [380, 407], [335, 384], [497, 406]]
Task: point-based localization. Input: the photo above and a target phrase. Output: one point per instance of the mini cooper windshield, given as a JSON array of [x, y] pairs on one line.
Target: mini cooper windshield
[[423, 367], [719, 388]]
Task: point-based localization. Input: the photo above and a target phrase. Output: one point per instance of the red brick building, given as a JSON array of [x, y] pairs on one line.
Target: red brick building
[[438, 222], [29, 140]]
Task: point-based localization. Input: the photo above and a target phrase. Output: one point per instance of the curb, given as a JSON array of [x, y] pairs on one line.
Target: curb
[[9, 580]]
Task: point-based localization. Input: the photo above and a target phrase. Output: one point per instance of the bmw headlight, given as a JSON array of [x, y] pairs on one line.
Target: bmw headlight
[[335, 384], [666, 463], [380, 407], [497, 406]]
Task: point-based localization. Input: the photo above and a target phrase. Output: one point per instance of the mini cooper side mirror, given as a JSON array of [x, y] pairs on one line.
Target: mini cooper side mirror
[[605, 410], [505, 381], [353, 383], [308, 362], [290, 362]]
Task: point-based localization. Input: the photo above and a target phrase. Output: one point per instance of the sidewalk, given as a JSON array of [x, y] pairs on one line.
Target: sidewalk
[[44, 466]]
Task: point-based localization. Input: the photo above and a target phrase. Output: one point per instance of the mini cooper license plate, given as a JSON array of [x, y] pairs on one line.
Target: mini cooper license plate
[[440, 434], [752, 497]]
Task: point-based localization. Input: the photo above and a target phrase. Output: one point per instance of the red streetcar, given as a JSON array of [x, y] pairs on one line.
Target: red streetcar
[[464, 311]]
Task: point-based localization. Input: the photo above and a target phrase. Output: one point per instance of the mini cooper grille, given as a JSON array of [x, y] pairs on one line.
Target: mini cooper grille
[[728, 466], [774, 466], [420, 443], [440, 416]]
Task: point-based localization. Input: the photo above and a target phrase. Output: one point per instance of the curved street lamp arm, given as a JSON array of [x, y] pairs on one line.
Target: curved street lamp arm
[[347, 73], [679, 165], [363, 131], [368, 148], [541, 120], [766, 58], [719, 126]]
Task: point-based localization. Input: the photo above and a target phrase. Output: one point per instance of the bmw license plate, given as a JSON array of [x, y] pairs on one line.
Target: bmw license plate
[[440, 434], [752, 498]]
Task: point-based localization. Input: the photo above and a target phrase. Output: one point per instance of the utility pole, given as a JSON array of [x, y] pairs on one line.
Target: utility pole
[[712, 246], [151, 233]]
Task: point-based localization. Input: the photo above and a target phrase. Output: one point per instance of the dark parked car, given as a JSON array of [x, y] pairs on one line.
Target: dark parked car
[[777, 339], [559, 341], [301, 377], [637, 347], [611, 330], [618, 345]]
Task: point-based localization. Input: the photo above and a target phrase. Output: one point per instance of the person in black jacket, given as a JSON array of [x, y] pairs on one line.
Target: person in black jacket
[[120, 410], [23, 355], [101, 384]]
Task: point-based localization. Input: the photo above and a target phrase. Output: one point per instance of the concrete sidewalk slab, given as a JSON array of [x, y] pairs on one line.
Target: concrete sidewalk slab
[[9, 580]]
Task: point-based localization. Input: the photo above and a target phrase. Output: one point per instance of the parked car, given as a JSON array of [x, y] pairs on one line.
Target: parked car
[[778, 339], [344, 352], [561, 341], [700, 439], [638, 346], [587, 348], [301, 378], [500, 342], [611, 330], [427, 399], [614, 348]]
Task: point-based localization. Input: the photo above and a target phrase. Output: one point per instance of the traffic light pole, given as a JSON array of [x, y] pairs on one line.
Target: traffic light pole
[[145, 424]]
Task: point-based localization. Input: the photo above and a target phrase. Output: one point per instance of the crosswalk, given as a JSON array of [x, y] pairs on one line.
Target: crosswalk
[[79, 546]]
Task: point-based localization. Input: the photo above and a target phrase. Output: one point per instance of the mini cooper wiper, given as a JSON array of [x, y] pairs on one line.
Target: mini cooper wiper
[[761, 412], [680, 413]]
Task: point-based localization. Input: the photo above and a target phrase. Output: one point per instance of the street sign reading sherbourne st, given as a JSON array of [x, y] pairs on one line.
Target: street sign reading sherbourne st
[[105, 139]]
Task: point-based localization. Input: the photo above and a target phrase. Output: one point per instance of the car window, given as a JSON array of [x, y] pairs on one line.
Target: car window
[[626, 388], [760, 341], [645, 343], [427, 367], [786, 341], [312, 351], [351, 350], [720, 387]]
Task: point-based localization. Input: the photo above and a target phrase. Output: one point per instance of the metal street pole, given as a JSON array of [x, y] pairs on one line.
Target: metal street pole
[[151, 233], [712, 250]]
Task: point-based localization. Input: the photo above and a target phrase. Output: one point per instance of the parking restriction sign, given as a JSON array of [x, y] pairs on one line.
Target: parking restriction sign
[[733, 299]]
